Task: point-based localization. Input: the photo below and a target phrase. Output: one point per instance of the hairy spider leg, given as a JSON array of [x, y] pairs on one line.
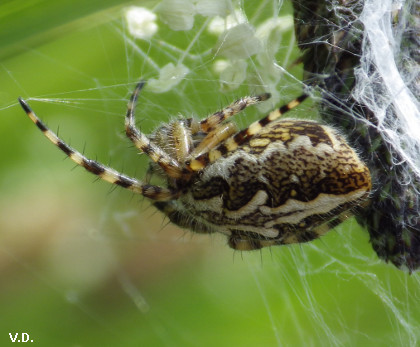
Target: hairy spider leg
[[208, 124], [104, 172], [217, 132], [142, 142], [213, 138], [233, 142], [182, 139]]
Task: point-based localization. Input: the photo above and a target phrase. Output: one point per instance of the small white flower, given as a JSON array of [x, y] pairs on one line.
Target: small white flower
[[218, 25], [141, 22], [271, 32], [169, 76], [238, 42], [211, 8], [232, 75], [177, 14]]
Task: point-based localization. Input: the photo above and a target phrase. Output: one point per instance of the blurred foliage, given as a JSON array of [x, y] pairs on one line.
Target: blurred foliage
[[83, 265]]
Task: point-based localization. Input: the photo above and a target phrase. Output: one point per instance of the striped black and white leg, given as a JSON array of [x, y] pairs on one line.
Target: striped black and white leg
[[102, 171], [142, 142], [233, 142]]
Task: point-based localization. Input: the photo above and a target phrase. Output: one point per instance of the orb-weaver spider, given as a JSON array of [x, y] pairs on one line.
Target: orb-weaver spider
[[275, 182]]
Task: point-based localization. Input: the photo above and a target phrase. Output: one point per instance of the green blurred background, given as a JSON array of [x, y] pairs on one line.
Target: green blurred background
[[83, 264]]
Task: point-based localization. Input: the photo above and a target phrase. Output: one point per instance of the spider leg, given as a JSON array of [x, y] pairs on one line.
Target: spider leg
[[182, 141], [217, 133], [241, 243], [233, 142], [209, 123], [105, 173], [142, 142], [213, 138]]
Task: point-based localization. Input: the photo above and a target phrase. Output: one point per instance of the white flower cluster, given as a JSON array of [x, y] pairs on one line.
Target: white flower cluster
[[237, 41]]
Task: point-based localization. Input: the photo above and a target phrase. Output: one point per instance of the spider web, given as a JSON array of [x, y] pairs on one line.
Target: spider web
[[86, 265]]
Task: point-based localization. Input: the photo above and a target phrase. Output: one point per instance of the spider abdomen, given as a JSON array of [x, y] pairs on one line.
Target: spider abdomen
[[290, 183]]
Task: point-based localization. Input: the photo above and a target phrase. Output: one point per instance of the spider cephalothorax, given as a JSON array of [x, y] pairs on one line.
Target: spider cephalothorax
[[275, 182]]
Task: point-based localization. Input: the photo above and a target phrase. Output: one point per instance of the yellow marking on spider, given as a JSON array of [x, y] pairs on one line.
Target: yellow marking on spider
[[76, 158], [259, 142], [254, 128], [51, 136], [109, 176], [293, 104], [32, 116], [196, 165], [286, 136], [231, 144], [214, 155], [273, 115]]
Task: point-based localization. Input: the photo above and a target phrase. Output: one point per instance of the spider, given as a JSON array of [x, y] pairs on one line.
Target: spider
[[276, 182]]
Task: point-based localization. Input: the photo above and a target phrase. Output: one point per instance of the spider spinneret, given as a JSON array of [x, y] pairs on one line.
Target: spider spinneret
[[275, 182]]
